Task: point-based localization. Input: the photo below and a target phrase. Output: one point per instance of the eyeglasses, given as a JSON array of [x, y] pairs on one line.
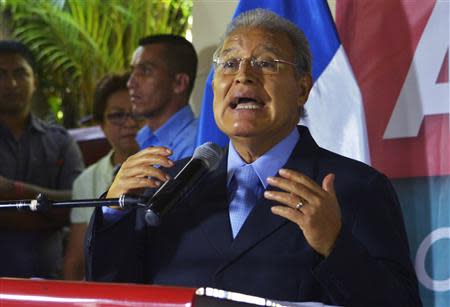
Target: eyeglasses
[[119, 118], [231, 66]]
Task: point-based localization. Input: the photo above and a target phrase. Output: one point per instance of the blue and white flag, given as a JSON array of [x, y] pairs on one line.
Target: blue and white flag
[[335, 113]]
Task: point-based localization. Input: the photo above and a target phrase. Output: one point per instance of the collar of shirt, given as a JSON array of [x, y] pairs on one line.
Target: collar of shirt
[[106, 164], [268, 164], [33, 123], [36, 124], [167, 132]]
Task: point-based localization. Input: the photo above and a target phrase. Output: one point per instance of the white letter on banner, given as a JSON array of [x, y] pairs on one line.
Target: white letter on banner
[[420, 94], [422, 275]]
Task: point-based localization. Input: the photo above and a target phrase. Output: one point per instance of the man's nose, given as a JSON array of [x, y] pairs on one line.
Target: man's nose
[[246, 73], [131, 81], [10, 81]]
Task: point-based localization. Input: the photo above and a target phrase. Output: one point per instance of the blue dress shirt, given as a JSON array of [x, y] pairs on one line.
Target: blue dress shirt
[[247, 182], [268, 164], [179, 134]]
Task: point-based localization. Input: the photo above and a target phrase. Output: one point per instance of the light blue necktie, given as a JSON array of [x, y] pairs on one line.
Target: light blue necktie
[[244, 199]]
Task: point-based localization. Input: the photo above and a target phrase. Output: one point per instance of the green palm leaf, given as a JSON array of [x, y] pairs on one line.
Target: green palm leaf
[[77, 41]]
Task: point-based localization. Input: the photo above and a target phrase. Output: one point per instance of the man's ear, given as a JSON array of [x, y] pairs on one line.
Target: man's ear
[[304, 86], [181, 83]]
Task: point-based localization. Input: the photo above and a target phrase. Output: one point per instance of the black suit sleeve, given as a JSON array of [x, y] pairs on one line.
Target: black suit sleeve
[[370, 264], [114, 251]]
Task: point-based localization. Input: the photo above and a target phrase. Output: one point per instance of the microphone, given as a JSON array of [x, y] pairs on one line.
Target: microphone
[[206, 158]]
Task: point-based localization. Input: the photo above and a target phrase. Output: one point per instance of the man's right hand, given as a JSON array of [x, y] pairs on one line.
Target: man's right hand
[[139, 171]]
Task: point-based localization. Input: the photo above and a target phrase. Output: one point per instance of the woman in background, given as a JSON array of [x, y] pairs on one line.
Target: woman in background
[[112, 110]]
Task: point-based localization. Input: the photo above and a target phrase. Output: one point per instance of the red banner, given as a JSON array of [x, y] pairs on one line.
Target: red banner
[[399, 54]]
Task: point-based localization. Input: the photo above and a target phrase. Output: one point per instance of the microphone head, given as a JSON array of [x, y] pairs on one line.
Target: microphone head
[[210, 154]]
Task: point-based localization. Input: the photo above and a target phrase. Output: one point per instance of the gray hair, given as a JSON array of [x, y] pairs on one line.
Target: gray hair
[[261, 18]]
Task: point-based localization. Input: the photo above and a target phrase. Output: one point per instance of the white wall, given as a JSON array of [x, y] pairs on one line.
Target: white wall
[[209, 20]]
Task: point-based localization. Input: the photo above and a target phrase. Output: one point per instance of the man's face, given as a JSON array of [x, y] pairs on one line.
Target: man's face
[[150, 84], [17, 84], [253, 105]]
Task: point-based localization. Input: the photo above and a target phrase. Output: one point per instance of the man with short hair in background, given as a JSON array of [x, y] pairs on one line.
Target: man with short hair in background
[[163, 70], [35, 158]]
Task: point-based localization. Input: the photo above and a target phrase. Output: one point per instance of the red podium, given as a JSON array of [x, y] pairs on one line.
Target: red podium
[[50, 293], [25, 292]]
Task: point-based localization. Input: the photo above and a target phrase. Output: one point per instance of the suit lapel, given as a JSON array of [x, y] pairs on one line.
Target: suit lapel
[[210, 207], [261, 222]]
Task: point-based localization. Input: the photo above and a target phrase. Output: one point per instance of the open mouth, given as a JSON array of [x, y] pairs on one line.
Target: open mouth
[[246, 103], [134, 97]]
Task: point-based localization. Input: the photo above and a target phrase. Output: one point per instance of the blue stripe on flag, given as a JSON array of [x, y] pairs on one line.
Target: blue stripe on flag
[[313, 17]]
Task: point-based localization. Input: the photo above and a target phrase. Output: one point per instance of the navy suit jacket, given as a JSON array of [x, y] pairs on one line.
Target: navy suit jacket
[[369, 265]]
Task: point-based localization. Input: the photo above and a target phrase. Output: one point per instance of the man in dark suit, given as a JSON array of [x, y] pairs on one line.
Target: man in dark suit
[[281, 217]]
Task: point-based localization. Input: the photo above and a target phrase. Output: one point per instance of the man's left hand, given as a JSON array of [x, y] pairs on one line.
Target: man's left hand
[[313, 208]]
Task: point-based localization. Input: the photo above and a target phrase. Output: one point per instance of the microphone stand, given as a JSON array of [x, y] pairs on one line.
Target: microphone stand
[[42, 203]]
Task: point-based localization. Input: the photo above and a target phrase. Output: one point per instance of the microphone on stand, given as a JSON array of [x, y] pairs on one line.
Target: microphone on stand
[[42, 203], [205, 159]]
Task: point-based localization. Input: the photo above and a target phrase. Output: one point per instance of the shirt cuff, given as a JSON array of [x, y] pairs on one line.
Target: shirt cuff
[[111, 215]]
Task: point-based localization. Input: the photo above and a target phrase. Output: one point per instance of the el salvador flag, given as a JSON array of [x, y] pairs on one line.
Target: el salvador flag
[[335, 112]]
